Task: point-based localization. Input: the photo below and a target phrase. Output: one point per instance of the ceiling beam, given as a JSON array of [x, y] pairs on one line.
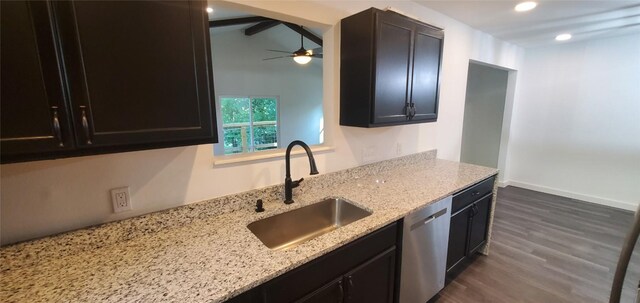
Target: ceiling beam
[[237, 21], [307, 34], [262, 26]]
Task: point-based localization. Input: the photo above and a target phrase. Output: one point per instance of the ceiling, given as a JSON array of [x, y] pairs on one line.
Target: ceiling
[[280, 36], [220, 12], [538, 27]]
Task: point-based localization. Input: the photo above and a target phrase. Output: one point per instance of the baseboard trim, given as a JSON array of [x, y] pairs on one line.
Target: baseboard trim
[[503, 183], [588, 198]]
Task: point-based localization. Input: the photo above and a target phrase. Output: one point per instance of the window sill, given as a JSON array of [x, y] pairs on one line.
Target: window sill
[[270, 154]]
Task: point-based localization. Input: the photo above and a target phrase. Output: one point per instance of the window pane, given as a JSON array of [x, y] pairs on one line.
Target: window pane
[[232, 140], [235, 110], [264, 109], [265, 136]]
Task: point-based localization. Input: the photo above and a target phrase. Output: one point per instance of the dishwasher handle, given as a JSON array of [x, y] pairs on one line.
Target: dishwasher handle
[[428, 219]]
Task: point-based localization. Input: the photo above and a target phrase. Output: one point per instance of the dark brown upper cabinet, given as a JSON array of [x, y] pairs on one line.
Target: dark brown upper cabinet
[[34, 114], [104, 76], [390, 67]]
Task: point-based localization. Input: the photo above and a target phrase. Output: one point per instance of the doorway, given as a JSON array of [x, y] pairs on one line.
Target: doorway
[[484, 112]]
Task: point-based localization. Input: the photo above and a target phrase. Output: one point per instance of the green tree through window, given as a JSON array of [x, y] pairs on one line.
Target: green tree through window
[[249, 124]]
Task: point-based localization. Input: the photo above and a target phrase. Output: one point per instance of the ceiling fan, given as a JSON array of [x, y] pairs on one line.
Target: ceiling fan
[[301, 56]]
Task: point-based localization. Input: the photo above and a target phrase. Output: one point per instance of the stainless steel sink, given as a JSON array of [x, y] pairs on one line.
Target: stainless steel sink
[[289, 229]]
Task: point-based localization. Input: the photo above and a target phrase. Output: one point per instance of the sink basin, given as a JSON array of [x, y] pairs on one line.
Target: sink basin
[[289, 229]]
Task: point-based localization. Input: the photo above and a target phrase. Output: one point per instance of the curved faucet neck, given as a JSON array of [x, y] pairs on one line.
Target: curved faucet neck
[[288, 183], [287, 157]]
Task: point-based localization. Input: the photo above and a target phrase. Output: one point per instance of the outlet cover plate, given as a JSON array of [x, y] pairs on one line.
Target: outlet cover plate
[[121, 199]]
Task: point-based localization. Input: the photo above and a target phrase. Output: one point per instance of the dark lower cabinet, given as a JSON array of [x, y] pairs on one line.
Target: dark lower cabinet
[[372, 282], [458, 237], [332, 292], [479, 224], [89, 77], [469, 226], [252, 296], [361, 271]]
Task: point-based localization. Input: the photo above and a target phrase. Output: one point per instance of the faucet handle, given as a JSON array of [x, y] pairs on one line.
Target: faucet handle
[[296, 183]]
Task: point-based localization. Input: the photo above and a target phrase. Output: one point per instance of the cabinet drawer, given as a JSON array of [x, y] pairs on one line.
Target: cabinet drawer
[[471, 194]]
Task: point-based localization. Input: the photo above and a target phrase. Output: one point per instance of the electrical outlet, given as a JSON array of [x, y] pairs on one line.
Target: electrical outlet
[[121, 199]]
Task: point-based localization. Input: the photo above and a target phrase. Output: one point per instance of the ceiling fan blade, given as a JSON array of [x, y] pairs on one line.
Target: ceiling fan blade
[[279, 51], [276, 58], [317, 56]]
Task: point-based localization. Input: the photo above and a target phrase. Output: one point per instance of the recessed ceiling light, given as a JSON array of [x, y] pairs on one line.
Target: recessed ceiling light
[[209, 10], [525, 6], [563, 37]]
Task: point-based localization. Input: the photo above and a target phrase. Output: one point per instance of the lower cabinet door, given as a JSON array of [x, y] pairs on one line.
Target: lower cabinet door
[[479, 224], [251, 296], [458, 231], [373, 281], [332, 292]]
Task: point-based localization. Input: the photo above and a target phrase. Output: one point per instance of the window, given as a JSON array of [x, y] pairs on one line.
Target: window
[[249, 124]]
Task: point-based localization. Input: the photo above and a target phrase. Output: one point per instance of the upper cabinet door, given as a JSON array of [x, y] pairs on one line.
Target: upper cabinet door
[[393, 68], [426, 68], [34, 115], [138, 72], [389, 69]]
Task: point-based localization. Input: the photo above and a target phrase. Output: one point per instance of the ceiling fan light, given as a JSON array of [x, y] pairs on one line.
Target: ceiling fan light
[[302, 59], [525, 6]]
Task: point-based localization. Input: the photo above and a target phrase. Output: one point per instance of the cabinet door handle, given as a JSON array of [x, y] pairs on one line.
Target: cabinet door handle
[[85, 124], [341, 289], [475, 209], [56, 126], [350, 289], [413, 111], [407, 111]]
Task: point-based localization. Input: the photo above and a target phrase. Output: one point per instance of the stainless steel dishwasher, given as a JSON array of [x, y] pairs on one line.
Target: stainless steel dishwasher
[[425, 238]]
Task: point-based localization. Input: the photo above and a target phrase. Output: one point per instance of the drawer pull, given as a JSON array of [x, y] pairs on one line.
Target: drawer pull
[[85, 124], [475, 193], [56, 126], [350, 290]]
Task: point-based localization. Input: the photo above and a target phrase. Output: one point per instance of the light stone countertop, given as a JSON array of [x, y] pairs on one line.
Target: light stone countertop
[[203, 252]]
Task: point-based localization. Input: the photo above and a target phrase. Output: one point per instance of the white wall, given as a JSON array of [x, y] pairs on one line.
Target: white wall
[[483, 115], [44, 197], [240, 70], [576, 122]]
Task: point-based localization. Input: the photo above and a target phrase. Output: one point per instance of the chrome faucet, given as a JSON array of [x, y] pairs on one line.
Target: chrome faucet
[[288, 184]]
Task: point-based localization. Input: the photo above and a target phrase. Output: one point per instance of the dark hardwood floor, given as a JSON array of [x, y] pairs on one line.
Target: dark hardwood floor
[[547, 248]]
